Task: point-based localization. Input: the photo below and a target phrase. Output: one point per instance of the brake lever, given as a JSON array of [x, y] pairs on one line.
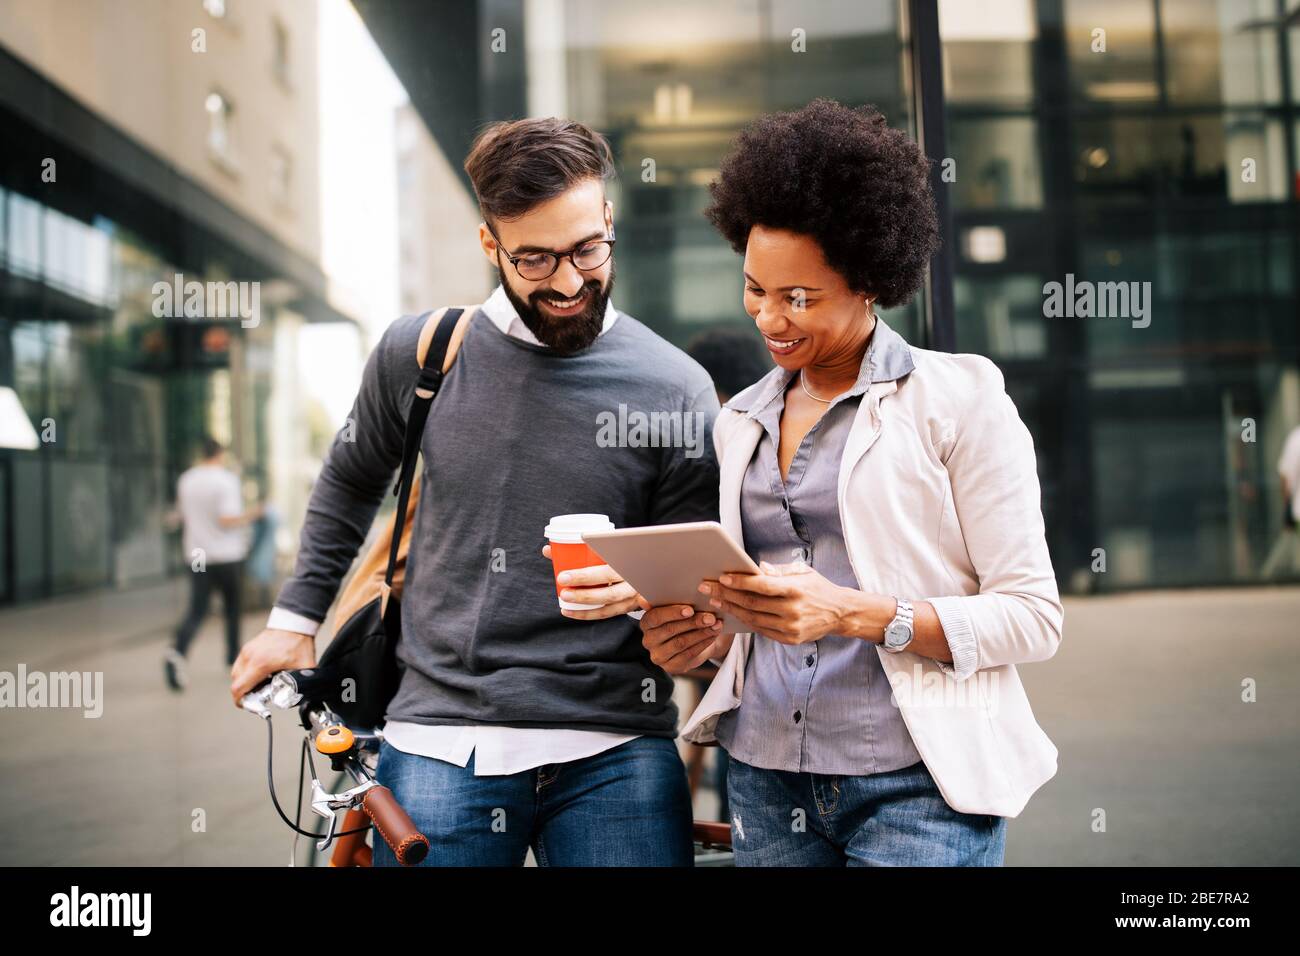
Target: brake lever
[[326, 805]]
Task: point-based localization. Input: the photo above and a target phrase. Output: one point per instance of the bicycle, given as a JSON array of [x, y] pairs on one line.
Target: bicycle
[[368, 805]]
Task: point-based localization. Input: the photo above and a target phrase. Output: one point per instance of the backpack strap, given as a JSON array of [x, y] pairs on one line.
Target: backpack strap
[[434, 364], [431, 325]]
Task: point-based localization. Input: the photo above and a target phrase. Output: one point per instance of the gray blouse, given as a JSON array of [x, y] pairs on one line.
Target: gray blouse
[[822, 707]]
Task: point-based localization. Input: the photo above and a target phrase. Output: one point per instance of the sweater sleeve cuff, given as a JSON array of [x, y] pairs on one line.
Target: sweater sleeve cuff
[[960, 634], [284, 620]]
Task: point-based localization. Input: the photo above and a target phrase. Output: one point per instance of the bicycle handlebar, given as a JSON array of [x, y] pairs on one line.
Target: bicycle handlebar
[[408, 844], [313, 682], [302, 689]]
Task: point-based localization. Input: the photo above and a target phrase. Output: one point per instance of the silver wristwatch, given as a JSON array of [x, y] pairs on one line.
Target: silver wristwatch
[[898, 633]]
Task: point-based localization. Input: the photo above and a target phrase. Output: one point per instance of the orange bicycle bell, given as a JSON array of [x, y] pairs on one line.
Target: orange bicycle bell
[[335, 741]]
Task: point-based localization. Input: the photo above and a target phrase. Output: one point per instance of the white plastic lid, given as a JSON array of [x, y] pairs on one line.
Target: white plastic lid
[[568, 529]]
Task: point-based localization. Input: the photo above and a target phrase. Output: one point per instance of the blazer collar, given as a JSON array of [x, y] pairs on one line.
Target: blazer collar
[[887, 359]]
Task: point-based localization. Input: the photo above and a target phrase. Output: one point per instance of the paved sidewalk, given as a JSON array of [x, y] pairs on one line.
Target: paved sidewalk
[[160, 778], [1143, 702]]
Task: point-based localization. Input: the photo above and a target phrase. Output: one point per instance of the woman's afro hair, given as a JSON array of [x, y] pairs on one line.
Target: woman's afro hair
[[842, 176]]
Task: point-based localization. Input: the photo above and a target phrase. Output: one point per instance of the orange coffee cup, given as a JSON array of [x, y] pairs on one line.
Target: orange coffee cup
[[569, 551]]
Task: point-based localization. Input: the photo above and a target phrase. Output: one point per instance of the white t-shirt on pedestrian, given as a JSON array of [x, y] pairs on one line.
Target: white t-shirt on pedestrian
[[205, 494], [1288, 466]]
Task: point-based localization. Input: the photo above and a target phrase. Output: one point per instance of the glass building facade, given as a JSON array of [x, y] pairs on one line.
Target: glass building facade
[[1148, 143], [1075, 141], [120, 400], [103, 401], [672, 89]]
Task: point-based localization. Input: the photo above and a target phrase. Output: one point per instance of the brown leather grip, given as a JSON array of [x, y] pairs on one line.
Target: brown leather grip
[[408, 844]]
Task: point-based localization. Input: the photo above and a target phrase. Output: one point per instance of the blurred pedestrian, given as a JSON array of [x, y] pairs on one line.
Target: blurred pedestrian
[[1284, 558], [211, 508]]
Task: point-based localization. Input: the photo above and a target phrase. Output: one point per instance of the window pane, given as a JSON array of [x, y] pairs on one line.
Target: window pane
[[1213, 290], [30, 533], [1221, 51], [988, 50], [1255, 157], [1001, 316], [80, 525], [24, 224], [1111, 49], [997, 163], [77, 387], [1138, 157], [29, 350]]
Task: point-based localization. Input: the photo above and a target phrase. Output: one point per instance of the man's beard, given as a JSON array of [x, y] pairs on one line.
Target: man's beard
[[565, 334]]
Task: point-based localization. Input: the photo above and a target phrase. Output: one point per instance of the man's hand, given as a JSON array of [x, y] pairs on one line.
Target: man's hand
[[599, 584], [264, 655], [680, 639]]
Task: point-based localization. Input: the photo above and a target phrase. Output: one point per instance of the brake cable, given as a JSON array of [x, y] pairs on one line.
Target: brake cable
[[270, 783]]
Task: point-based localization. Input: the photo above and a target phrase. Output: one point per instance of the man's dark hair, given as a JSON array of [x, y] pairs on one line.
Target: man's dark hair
[[519, 164], [734, 358], [211, 447], [845, 178]]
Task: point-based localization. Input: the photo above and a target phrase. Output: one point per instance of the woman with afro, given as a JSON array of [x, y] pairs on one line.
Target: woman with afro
[[871, 710]]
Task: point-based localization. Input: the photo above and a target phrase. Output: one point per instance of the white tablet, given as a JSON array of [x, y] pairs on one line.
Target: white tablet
[[667, 562]]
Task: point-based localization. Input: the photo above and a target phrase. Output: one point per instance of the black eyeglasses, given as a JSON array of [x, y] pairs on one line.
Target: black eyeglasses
[[536, 266]]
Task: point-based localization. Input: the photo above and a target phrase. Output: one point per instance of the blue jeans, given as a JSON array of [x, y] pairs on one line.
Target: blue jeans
[[627, 806], [899, 818]]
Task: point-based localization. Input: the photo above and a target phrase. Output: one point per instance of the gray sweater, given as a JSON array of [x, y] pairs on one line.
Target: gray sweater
[[517, 434]]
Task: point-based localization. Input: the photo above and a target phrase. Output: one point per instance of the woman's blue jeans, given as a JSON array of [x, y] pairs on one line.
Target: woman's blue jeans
[[898, 818]]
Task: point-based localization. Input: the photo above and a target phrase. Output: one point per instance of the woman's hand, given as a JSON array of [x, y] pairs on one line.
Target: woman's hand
[[680, 639], [599, 584], [791, 604]]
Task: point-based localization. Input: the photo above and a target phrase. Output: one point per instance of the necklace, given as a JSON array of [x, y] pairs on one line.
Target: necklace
[[824, 401]]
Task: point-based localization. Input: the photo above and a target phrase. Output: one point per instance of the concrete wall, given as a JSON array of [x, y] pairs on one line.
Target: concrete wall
[[134, 62], [441, 261]]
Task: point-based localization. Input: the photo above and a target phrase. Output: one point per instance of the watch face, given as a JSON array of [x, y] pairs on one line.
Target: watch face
[[897, 634]]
